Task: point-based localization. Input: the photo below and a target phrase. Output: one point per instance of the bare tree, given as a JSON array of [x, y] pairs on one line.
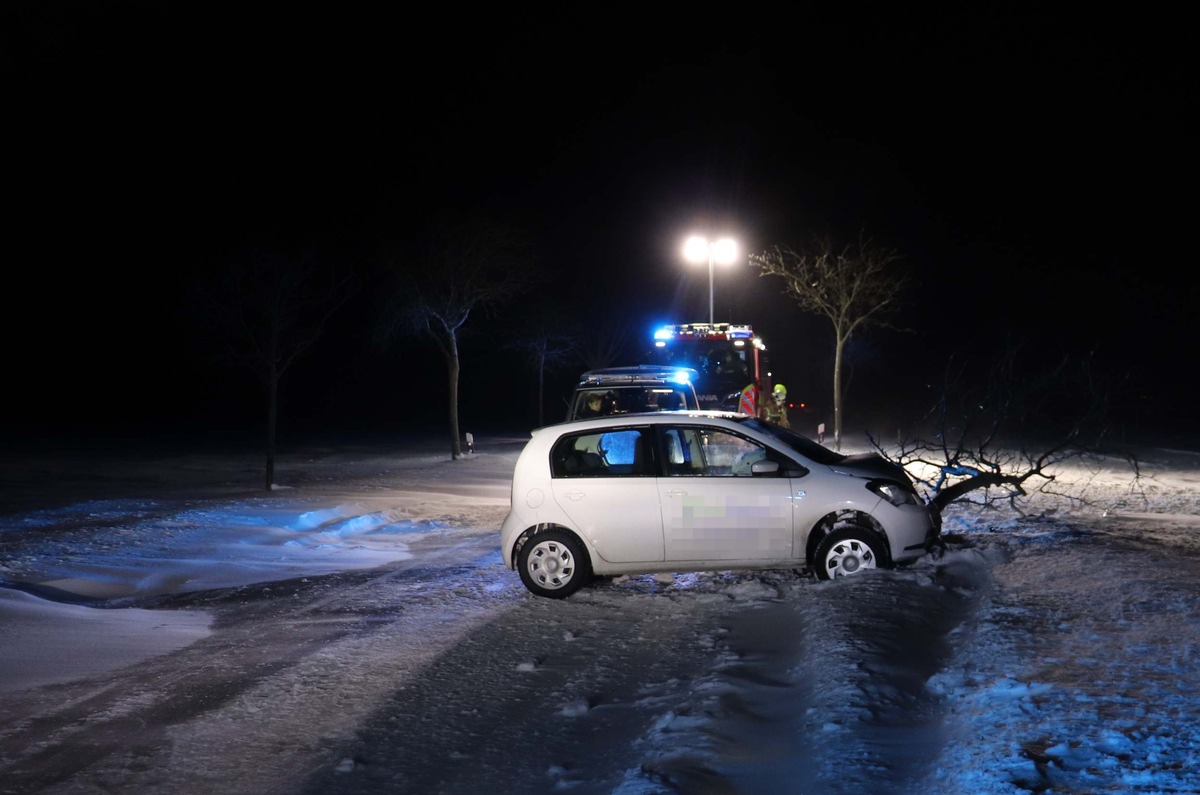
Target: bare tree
[[1004, 440], [545, 346], [851, 285], [266, 310], [604, 342], [463, 267]]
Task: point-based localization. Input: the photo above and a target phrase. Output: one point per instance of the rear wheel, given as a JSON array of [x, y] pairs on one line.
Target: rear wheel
[[553, 564], [850, 550]]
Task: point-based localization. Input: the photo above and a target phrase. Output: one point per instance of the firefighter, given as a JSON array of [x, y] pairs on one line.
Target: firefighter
[[775, 409], [748, 403]]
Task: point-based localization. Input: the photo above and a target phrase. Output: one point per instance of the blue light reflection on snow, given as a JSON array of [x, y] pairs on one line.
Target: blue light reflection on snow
[[336, 522], [123, 547]]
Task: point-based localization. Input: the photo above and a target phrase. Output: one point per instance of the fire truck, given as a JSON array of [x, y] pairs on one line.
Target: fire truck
[[730, 359]]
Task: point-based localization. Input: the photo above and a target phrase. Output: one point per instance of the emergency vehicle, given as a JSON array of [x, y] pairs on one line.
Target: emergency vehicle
[[625, 390], [730, 361]]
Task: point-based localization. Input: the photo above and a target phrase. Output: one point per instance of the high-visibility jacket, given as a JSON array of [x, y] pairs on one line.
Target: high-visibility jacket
[[749, 401]]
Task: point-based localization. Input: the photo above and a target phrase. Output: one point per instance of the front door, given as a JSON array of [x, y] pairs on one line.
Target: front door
[[713, 508]]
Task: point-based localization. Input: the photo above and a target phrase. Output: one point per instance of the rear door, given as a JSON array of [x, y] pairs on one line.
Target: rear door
[[604, 481]]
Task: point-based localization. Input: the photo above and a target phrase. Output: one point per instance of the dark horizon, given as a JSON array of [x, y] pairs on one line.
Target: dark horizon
[[1020, 165]]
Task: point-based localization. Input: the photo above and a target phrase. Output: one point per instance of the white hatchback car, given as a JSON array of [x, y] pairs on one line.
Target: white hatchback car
[[702, 491]]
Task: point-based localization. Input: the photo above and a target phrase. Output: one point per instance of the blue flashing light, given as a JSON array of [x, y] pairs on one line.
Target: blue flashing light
[[681, 377], [664, 333]]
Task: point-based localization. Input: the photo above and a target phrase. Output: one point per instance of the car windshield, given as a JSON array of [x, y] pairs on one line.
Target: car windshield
[[801, 444], [631, 400]]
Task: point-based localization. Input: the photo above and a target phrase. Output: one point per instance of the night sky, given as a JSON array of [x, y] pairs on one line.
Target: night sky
[[1030, 168]]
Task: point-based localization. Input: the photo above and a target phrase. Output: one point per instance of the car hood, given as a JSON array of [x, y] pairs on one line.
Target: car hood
[[870, 465]]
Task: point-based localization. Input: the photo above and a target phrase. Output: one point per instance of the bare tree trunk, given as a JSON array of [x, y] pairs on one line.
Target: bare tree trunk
[[272, 415], [839, 346], [541, 390], [452, 368]]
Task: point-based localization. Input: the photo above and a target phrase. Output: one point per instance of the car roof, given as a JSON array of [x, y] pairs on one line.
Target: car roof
[[687, 417], [638, 369], [638, 374]]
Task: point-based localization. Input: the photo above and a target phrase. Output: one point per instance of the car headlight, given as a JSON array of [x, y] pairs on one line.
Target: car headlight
[[896, 493]]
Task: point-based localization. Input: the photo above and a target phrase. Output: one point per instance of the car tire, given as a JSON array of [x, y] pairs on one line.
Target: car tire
[[848, 551], [553, 564]]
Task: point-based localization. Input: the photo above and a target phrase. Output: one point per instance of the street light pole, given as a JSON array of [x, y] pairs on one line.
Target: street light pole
[[699, 249], [710, 287]]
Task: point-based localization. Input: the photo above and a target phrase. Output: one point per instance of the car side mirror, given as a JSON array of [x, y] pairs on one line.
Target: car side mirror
[[764, 467]]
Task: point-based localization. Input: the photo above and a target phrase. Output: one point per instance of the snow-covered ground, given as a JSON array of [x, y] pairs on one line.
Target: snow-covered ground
[[1051, 651], [191, 523]]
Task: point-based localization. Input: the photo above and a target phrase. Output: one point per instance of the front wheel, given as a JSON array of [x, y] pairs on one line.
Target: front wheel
[[850, 550], [553, 564]]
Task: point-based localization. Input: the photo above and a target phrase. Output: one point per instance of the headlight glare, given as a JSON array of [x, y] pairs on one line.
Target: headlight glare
[[895, 493]]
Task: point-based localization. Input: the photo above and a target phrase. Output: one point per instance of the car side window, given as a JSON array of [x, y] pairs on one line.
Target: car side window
[[620, 452], [683, 452], [710, 452]]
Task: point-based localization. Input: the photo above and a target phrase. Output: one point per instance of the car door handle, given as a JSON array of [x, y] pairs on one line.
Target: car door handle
[[676, 493], [573, 495]]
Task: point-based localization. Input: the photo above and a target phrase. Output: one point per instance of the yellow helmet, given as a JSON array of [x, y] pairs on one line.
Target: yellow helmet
[[780, 390]]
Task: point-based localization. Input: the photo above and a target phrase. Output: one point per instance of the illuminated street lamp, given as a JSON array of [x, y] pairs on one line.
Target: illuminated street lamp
[[699, 249]]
